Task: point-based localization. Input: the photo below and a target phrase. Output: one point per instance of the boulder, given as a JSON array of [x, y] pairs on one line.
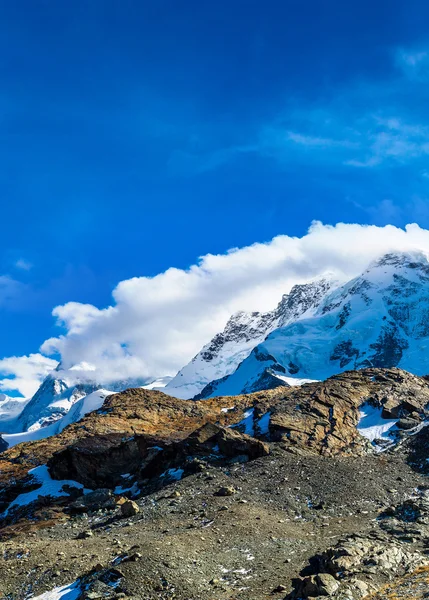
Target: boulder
[[129, 508], [102, 499]]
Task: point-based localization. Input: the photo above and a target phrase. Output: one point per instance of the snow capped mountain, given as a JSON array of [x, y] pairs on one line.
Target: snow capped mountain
[[89, 403], [379, 319], [10, 408], [222, 355], [58, 393]]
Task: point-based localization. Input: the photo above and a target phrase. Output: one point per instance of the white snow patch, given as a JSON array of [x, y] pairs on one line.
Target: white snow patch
[[65, 592], [225, 410], [48, 487], [247, 424], [264, 424], [295, 381], [371, 424], [176, 474], [158, 383]]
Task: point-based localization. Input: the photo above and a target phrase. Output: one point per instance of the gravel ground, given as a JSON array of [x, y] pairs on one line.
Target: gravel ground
[[188, 543]]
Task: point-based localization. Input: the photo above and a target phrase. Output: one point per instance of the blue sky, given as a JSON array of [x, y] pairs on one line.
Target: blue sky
[[141, 135]]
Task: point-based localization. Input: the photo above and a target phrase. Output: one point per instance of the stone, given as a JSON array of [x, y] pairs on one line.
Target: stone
[[102, 499], [225, 491], [129, 508], [83, 535], [327, 584]]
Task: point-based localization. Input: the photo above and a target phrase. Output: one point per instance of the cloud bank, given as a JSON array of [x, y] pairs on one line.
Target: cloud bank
[[156, 324], [24, 373]]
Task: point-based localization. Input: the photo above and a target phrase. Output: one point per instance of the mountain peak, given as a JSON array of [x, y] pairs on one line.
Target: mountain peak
[[409, 258]]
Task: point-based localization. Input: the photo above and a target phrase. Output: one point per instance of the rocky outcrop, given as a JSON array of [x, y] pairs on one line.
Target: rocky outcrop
[[149, 436], [347, 569], [323, 417], [148, 456]]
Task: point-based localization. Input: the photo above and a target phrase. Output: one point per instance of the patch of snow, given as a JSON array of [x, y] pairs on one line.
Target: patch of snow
[[158, 384], [225, 410], [263, 424], [246, 425], [66, 592], [48, 487], [371, 424], [295, 381], [175, 474]]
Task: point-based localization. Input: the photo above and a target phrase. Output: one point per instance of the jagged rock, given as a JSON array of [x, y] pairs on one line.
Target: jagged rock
[[327, 585], [407, 423], [129, 508], [102, 499], [339, 567], [229, 441]]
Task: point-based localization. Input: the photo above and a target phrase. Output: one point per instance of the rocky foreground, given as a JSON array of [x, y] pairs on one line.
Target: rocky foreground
[[268, 495]]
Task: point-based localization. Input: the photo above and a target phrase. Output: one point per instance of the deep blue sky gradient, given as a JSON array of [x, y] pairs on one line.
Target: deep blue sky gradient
[[138, 135]]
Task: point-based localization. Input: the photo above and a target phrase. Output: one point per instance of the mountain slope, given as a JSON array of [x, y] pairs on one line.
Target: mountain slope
[[242, 333], [379, 319]]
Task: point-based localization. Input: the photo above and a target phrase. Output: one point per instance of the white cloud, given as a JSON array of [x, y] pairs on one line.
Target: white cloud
[[24, 373], [10, 290], [156, 324], [23, 264], [414, 63], [320, 142]]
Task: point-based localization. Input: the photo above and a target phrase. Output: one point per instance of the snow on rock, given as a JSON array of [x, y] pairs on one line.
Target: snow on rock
[[263, 425], [158, 384], [48, 487], [379, 319], [71, 591], [372, 426], [247, 424], [222, 355], [175, 474]]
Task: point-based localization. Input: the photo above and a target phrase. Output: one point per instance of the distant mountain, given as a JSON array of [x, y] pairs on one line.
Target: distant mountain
[[379, 319], [58, 394], [222, 355]]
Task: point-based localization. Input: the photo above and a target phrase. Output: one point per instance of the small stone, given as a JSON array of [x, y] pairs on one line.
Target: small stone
[[83, 535], [225, 491], [280, 588]]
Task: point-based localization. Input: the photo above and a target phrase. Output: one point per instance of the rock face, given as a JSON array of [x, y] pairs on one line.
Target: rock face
[[379, 319], [242, 333]]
